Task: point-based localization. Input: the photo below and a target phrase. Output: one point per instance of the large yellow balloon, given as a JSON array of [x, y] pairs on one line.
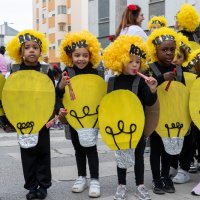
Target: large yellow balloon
[[194, 103], [2, 82], [28, 100], [174, 120], [121, 119], [89, 89], [189, 79]]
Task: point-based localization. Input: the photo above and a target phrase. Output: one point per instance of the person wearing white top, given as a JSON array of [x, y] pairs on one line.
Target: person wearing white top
[[131, 22]]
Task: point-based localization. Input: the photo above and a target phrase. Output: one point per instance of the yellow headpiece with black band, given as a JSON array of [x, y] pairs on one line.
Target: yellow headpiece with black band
[[158, 36], [82, 39], [157, 20], [117, 54], [14, 45]]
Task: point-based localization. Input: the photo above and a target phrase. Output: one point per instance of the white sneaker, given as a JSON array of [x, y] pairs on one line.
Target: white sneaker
[[80, 184], [181, 177], [142, 193], [121, 193], [173, 172], [94, 190]]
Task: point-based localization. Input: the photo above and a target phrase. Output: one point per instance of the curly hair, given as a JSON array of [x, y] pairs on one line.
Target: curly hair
[[14, 45], [71, 39], [187, 18], [160, 35], [117, 54], [160, 20]]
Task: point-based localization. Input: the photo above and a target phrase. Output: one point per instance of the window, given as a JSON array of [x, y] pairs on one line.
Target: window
[[69, 28], [59, 41], [43, 13], [62, 27], [43, 1], [62, 9], [156, 7]]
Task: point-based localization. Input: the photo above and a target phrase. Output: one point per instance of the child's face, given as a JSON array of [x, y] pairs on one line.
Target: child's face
[[140, 18], [179, 59], [154, 26], [30, 53], [166, 52], [134, 64], [81, 57]]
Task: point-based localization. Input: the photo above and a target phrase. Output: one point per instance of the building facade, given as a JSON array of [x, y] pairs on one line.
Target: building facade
[[101, 17]]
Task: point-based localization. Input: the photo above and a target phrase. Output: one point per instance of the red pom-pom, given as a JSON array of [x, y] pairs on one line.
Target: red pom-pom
[[132, 7], [55, 66], [111, 38]]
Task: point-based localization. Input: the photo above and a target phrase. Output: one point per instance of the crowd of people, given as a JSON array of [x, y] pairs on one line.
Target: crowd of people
[[150, 72]]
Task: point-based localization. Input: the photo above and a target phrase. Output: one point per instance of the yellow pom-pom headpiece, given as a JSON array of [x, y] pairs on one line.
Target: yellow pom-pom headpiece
[[117, 55], [158, 36], [194, 59], [14, 45], [187, 18], [157, 20], [83, 39]]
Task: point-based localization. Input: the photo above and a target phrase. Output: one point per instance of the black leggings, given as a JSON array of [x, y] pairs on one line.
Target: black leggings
[[81, 153], [158, 152], [138, 167], [36, 162]]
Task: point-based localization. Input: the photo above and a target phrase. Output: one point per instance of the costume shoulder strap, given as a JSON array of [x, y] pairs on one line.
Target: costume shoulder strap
[[179, 73], [15, 67], [44, 68], [135, 84], [111, 82], [155, 69], [71, 72]]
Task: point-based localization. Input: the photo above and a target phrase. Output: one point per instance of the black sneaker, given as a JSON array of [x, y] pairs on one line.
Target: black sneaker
[[168, 185], [41, 193], [158, 187], [31, 195]]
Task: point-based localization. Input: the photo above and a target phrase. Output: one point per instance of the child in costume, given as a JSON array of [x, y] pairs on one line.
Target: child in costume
[[124, 55], [25, 49], [157, 22], [194, 65], [184, 158], [162, 44], [80, 51]]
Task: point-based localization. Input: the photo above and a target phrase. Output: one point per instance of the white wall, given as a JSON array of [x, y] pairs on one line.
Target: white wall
[[93, 17], [79, 15]]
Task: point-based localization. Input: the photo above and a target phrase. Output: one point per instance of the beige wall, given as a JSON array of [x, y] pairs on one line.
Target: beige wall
[[79, 15]]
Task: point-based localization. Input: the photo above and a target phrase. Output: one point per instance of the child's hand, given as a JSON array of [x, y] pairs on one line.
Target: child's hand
[[65, 80], [63, 112], [152, 83], [169, 76]]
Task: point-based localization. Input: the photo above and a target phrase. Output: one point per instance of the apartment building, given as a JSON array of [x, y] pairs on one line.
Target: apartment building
[[53, 18]]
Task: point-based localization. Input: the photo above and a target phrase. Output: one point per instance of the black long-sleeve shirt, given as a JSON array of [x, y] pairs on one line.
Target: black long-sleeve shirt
[[144, 94]]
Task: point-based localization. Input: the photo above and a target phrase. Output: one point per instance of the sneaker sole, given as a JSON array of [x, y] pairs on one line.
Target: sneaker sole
[[79, 191], [142, 198]]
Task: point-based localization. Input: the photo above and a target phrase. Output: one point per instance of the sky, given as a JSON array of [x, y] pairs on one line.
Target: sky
[[18, 14]]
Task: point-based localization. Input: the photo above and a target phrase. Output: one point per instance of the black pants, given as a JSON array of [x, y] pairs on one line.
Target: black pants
[[36, 162], [138, 167], [82, 153], [184, 159], [158, 154]]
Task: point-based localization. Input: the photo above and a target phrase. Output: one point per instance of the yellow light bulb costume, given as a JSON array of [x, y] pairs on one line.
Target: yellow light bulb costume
[[121, 114], [174, 119], [28, 96], [83, 111]]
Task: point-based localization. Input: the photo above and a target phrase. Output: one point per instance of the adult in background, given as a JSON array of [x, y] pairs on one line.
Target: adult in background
[[131, 22]]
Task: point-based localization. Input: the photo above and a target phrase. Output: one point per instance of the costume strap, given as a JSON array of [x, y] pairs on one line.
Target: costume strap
[[71, 72], [44, 68], [15, 67], [135, 84], [155, 69], [179, 73], [111, 82]]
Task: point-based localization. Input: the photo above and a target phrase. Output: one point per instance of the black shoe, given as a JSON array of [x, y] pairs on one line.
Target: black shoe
[[168, 185], [41, 193], [31, 195], [158, 187]]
